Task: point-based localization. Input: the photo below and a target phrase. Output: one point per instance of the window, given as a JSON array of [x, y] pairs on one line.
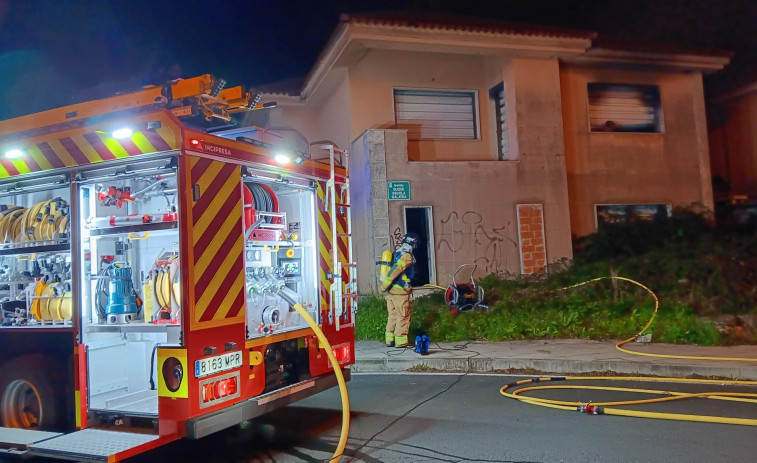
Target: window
[[625, 213], [624, 108], [497, 97], [436, 114]]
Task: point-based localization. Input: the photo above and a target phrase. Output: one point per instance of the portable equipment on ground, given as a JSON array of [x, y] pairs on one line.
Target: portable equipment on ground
[[462, 297]]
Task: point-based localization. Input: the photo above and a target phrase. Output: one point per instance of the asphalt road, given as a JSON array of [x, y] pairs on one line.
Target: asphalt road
[[464, 418], [454, 418]]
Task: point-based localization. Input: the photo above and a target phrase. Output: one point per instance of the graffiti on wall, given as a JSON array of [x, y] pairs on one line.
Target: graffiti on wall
[[472, 240], [397, 237]]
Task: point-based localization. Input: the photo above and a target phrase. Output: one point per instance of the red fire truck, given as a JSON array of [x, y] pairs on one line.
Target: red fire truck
[[158, 270]]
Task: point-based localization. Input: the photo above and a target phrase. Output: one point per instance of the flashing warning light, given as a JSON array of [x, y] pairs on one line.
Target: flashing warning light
[[122, 133], [194, 142], [14, 154]]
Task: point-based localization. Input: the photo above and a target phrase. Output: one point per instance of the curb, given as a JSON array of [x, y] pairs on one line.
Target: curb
[[561, 367]]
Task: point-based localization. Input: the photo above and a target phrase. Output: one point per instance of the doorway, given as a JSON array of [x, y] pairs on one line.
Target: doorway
[[419, 221]]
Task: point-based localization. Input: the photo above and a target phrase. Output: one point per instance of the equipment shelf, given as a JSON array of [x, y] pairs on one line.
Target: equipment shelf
[[39, 247], [138, 228], [136, 327], [270, 244]]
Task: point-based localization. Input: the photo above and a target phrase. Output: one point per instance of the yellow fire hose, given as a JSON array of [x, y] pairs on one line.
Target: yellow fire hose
[[337, 371], [649, 323], [601, 407]]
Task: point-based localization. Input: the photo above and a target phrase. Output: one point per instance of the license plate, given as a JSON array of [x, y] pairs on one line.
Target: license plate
[[217, 364]]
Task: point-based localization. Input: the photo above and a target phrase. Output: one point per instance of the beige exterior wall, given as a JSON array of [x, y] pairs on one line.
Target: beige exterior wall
[[555, 163], [635, 168], [333, 119], [473, 203], [373, 79], [329, 120], [733, 143]]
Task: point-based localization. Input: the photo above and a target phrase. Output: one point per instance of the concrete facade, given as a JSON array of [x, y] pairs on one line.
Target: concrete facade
[[671, 167], [555, 165], [733, 142], [472, 195]]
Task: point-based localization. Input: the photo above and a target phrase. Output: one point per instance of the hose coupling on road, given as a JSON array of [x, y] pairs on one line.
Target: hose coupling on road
[[590, 409]]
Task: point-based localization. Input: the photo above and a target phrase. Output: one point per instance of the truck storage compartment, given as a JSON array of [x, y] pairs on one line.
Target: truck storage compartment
[[131, 285], [35, 253], [280, 254]]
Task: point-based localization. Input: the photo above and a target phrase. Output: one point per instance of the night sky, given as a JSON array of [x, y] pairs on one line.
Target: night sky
[[56, 52]]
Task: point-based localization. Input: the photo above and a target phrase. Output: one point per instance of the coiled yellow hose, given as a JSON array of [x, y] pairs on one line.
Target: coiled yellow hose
[[669, 396]]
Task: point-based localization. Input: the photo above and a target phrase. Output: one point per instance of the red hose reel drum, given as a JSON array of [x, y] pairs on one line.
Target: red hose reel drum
[[250, 206], [247, 202]]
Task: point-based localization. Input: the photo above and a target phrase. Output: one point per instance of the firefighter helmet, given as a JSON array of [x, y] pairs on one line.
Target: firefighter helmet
[[411, 239]]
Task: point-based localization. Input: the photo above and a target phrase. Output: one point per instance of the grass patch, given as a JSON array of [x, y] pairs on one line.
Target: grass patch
[[421, 368], [698, 272]]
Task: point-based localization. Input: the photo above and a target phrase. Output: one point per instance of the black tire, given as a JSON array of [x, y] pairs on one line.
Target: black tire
[[29, 398]]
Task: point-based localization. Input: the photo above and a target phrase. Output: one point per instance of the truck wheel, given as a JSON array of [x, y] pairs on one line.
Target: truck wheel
[[27, 397]]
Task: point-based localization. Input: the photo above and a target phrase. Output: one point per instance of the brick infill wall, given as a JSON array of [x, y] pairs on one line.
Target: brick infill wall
[[533, 249]]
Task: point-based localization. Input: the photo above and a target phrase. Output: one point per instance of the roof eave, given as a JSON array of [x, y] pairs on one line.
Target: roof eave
[[472, 42], [422, 39], [680, 61]]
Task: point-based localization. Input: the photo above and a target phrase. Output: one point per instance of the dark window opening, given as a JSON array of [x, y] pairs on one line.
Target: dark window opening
[[497, 97]]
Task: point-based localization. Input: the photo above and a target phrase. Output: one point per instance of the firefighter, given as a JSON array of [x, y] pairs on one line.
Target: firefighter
[[396, 283]]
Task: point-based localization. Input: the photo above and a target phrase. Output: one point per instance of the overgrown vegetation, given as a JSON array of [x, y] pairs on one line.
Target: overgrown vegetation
[[699, 272]]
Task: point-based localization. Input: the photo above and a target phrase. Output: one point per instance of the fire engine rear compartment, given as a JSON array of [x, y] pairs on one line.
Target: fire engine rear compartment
[[128, 225], [165, 263], [127, 219], [280, 255], [280, 251]]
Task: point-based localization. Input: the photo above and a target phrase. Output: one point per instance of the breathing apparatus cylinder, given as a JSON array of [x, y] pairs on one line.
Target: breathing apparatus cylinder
[[386, 264]]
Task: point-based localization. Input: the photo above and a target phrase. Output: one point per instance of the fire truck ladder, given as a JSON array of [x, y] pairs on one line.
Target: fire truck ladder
[[343, 296]]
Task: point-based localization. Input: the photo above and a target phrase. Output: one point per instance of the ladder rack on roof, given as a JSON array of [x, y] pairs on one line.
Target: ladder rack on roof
[[202, 95]]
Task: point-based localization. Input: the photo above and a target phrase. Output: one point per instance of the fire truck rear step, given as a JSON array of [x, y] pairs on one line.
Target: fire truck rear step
[[90, 445], [15, 441], [260, 405]]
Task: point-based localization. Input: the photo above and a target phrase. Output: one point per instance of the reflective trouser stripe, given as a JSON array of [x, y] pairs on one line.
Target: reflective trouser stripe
[[389, 337], [401, 340]]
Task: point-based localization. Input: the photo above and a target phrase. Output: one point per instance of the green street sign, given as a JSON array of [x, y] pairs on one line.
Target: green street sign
[[398, 190]]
